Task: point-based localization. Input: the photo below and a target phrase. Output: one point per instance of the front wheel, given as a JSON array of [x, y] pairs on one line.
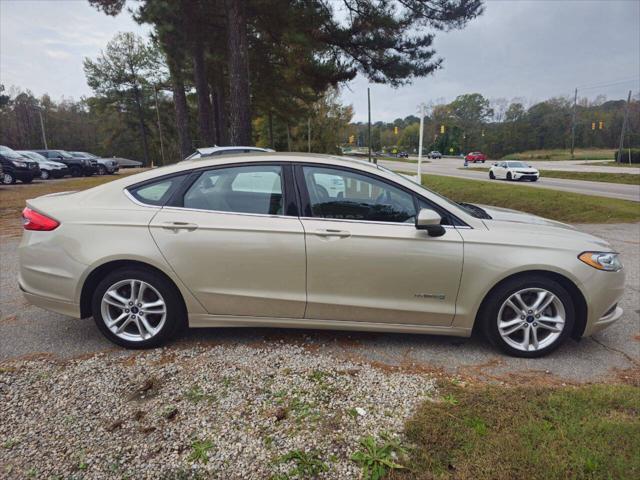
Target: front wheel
[[491, 175], [102, 170], [76, 172], [529, 316], [44, 175], [509, 176], [137, 308], [8, 179]]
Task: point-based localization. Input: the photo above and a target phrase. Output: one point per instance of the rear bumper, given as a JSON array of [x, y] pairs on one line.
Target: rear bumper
[[52, 304]]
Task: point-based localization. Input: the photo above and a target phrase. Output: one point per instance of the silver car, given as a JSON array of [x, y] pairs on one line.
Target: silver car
[[310, 241]]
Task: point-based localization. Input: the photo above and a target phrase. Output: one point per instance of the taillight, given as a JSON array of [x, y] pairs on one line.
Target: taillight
[[32, 220]]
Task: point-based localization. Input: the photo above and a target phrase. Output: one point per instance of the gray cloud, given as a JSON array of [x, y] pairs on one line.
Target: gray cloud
[[531, 48]]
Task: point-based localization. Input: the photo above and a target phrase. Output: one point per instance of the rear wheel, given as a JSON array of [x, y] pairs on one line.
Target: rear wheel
[[529, 316], [137, 308], [8, 179]]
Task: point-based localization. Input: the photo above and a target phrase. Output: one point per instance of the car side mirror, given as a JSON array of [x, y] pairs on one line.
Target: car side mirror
[[429, 220], [495, 164]]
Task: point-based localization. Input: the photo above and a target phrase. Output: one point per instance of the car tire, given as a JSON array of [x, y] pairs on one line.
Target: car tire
[[509, 176], [491, 175], [542, 324], [160, 327], [45, 175], [8, 179], [76, 172], [102, 170]]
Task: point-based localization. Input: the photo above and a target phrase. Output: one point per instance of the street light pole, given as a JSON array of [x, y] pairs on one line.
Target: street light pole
[[421, 135], [369, 126], [44, 137], [155, 91]]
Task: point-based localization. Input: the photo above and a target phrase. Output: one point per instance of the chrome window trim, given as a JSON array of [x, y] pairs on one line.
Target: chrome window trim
[[223, 212]]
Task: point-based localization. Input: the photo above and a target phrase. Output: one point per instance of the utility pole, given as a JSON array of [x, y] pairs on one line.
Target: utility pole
[[624, 127], [369, 127], [309, 134], [573, 123], [44, 137], [420, 143], [155, 91]]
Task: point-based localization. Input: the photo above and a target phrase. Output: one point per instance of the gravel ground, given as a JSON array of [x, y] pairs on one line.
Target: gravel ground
[[146, 415]]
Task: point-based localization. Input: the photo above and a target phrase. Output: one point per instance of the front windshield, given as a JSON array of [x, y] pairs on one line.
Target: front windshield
[[64, 154], [9, 153], [32, 155], [518, 165]]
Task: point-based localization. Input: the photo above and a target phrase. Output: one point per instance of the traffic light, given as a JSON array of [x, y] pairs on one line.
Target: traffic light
[[593, 125], [441, 128], [395, 130], [600, 125]]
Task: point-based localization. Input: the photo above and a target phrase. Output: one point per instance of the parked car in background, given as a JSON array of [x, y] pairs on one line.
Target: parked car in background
[[311, 241], [474, 157], [1, 174], [402, 155], [48, 168], [215, 151], [513, 170], [127, 163], [77, 166], [434, 154], [16, 167], [105, 165]]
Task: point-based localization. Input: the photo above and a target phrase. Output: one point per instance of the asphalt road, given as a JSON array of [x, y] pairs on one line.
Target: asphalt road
[[27, 331], [451, 168]]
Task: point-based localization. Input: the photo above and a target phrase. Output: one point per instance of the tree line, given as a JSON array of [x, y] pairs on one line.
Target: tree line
[[499, 127]]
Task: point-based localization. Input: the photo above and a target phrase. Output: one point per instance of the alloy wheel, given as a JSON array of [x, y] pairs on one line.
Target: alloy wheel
[[44, 175], [7, 179], [133, 310], [531, 319]]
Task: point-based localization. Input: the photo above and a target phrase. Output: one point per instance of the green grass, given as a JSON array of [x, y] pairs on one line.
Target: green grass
[[562, 206], [497, 432], [559, 154], [625, 178]]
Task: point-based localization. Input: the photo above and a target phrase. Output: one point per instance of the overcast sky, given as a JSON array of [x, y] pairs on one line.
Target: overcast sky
[[519, 48]]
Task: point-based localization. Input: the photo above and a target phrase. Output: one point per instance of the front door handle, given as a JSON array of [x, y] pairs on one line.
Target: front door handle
[[176, 226], [330, 232]]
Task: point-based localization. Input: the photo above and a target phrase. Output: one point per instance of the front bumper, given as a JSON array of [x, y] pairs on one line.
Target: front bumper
[[526, 176], [603, 292]]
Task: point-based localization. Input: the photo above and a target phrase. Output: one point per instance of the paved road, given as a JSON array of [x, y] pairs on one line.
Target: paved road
[[27, 331], [451, 168]]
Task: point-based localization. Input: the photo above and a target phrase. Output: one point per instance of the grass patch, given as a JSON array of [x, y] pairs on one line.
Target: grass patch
[[497, 432], [375, 459], [305, 465], [625, 178], [562, 206], [560, 154]]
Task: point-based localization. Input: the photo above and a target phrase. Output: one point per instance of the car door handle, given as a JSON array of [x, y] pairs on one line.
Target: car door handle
[[175, 226], [330, 232]]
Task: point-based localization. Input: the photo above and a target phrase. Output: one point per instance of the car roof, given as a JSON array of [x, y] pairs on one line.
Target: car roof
[[210, 150]]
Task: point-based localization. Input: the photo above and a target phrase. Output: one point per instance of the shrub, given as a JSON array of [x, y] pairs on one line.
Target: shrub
[[635, 155]]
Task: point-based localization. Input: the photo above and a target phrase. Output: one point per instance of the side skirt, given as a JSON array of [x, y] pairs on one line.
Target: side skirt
[[204, 321]]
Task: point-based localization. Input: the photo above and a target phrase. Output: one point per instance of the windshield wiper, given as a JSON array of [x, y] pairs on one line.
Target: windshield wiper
[[475, 210]]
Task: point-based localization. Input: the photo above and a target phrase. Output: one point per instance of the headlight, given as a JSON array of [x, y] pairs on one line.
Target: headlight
[[607, 261], [19, 164]]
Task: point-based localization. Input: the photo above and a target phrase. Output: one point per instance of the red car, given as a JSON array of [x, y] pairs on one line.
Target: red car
[[476, 157]]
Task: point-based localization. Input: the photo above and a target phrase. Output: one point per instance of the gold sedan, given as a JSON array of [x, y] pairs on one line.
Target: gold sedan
[[310, 241]]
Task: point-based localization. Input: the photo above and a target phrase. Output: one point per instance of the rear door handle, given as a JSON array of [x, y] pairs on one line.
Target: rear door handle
[[330, 232], [176, 226]]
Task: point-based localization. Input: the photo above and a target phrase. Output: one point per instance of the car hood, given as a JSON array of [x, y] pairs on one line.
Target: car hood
[[528, 229], [508, 215]]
